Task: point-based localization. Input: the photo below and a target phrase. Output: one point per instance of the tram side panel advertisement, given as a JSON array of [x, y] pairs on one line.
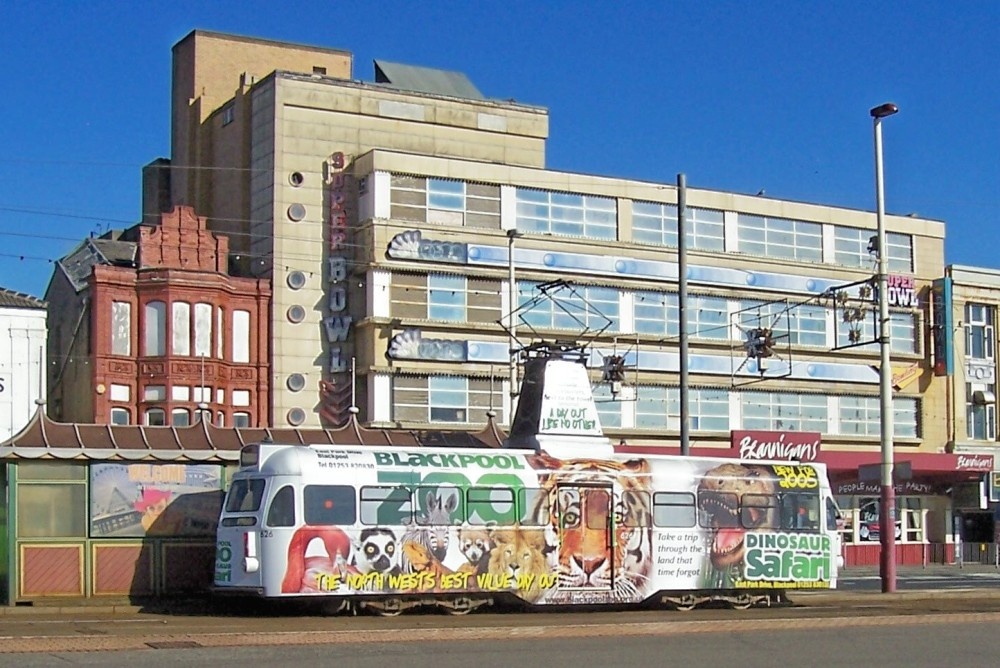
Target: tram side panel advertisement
[[547, 530]]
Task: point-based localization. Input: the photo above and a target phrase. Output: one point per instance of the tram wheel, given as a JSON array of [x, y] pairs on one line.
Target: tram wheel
[[686, 603], [390, 607], [741, 602]]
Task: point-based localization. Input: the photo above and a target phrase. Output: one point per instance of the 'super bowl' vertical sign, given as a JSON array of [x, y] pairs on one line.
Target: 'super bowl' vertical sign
[[337, 324]]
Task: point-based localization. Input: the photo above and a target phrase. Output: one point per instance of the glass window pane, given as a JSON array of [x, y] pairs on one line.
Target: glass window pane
[[282, 510], [52, 510], [27, 470], [329, 505]]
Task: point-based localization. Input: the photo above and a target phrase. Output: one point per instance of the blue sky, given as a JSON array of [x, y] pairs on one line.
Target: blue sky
[[739, 96]]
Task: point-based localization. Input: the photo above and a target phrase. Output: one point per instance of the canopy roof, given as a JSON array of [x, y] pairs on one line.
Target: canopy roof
[[43, 438]]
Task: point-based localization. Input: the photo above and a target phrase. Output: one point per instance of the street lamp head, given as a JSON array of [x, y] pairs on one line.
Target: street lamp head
[[883, 110]]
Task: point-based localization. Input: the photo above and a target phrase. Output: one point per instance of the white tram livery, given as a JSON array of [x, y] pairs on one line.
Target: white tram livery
[[567, 521]]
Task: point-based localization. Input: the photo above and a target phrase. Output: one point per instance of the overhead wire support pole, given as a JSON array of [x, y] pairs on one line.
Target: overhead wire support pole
[[512, 234], [887, 512], [682, 298]]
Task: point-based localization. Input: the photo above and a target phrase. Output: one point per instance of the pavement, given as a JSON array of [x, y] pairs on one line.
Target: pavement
[[205, 604]]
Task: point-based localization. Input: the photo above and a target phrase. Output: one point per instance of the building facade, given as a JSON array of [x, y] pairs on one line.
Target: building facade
[[153, 329], [22, 359]]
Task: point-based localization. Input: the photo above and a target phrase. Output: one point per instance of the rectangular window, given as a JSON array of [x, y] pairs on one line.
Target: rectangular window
[[673, 509], [577, 308], [784, 411], [449, 398], [490, 505], [979, 331], [241, 336], [533, 506], [155, 328], [709, 409], [609, 409], [780, 238], [659, 408], [245, 495], [202, 330], [655, 223], [980, 412], [861, 416], [446, 194], [759, 511], [52, 510], [446, 297], [329, 505], [219, 332], [438, 506], [181, 328], [902, 331], [795, 324], [385, 505], [566, 214], [851, 249], [446, 201], [799, 511], [633, 509], [121, 328]]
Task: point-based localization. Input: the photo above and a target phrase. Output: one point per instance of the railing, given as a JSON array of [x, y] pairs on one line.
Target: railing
[[983, 554]]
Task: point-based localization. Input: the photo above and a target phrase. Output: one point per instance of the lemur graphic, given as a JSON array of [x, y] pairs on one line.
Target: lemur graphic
[[376, 551]]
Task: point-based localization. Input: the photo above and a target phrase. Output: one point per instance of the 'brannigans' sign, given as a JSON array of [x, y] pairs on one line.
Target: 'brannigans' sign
[[800, 446]]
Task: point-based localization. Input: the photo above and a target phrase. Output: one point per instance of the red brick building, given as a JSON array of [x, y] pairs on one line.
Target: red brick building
[[151, 326]]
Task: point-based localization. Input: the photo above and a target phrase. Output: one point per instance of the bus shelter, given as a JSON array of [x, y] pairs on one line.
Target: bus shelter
[[92, 511]]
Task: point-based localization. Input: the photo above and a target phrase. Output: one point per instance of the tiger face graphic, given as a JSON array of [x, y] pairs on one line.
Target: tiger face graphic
[[598, 514]]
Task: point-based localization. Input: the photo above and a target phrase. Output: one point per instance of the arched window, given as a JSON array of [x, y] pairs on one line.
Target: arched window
[[120, 416], [180, 417], [156, 417]]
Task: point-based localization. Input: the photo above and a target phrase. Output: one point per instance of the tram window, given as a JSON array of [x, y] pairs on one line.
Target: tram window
[[329, 505], [759, 511], [570, 509], [596, 502], [533, 506], [722, 509], [239, 522], [633, 509], [439, 506], [386, 505], [490, 505], [282, 510], [245, 496], [673, 509], [800, 511]]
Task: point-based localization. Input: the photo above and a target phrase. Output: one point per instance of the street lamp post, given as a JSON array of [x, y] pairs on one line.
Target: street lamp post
[[887, 512]]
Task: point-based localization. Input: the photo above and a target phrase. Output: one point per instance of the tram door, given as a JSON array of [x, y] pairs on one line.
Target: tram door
[[585, 545]]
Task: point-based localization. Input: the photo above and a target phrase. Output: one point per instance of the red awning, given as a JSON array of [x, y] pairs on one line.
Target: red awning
[[963, 466]]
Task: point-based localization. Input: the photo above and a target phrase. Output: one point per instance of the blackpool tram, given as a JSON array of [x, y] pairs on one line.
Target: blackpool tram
[[556, 523]]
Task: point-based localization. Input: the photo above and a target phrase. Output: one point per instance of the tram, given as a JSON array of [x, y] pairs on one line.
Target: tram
[[556, 523]]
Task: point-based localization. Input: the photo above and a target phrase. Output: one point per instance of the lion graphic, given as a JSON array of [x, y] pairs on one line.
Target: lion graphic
[[519, 554]]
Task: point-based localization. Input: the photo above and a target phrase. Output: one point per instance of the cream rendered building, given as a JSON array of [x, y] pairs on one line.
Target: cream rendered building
[[384, 212]]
